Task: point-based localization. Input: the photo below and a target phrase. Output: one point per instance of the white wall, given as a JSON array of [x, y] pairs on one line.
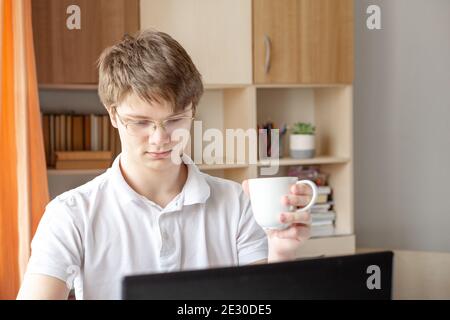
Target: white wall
[[402, 126]]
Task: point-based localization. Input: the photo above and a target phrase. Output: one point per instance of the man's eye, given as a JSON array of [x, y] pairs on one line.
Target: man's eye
[[173, 121], [140, 123]]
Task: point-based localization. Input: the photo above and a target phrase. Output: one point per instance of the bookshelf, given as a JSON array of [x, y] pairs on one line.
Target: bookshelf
[[329, 107]]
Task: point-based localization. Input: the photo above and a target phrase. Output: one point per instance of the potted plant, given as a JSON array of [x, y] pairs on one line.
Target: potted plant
[[301, 141]]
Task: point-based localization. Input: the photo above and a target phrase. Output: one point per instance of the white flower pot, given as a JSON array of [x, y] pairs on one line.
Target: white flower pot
[[301, 146]]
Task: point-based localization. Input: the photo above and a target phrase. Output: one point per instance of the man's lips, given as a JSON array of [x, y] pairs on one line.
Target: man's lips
[[159, 154]]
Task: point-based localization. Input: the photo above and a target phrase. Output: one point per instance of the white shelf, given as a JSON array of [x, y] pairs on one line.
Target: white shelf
[[58, 172], [94, 86], [219, 86], [282, 162], [296, 85], [221, 166], [204, 167], [80, 86], [328, 246], [311, 161]]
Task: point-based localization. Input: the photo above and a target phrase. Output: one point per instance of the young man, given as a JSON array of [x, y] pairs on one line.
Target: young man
[[147, 213]]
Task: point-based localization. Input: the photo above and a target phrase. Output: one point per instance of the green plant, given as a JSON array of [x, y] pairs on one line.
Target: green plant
[[303, 128]]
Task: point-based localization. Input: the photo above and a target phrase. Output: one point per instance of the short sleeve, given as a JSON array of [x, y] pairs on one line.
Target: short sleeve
[[251, 240], [56, 248]]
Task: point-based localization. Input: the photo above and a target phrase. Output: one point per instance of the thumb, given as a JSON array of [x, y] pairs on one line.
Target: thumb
[[245, 186]]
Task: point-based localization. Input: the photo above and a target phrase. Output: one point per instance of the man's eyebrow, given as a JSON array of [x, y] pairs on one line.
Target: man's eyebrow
[[137, 116]]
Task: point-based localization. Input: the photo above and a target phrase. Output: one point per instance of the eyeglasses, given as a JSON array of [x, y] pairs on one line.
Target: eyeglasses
[[148, 127]]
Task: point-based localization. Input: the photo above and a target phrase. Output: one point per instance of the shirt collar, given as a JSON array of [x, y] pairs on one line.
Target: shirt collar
[[195, 189]]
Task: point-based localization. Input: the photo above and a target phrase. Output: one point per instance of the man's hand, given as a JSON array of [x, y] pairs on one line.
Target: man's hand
[[283, 244]]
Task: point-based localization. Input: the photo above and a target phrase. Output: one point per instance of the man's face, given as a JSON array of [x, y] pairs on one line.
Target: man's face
[[140, 143]]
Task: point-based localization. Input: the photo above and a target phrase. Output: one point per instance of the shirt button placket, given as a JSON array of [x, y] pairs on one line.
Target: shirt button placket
[[164, 239]]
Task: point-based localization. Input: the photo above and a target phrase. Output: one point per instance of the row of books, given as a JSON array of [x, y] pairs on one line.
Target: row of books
[[70, 132]]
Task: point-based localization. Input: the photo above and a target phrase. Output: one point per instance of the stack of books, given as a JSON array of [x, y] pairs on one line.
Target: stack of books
[[83, 159], [323, 216]]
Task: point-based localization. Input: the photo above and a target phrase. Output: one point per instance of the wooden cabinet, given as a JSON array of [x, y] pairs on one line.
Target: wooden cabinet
[[216, 34], [66, 56], [303, 41], [232, 42]]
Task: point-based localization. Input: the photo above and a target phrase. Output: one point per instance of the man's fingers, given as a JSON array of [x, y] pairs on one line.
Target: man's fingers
[[294, 200], [301, 189], [295, 217], [296, 231]]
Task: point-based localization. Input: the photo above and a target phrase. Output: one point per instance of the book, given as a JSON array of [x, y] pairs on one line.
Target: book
[[77, 133], [87, 132], [330, 215], [105, 132], [46, 134], [322, 199], [57, 133], [324, 189], [322, 231], [93, 132], [322, 223], [321, 207], [99, 141], [62, 122], [83, 155], [52, 140], [82, 164], [69, 132]]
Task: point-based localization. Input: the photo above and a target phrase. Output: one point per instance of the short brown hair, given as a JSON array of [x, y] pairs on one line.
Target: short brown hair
[[151, 65]]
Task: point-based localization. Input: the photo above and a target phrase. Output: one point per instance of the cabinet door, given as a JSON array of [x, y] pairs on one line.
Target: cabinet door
[[303, 41], [216, 34], [65, 56]]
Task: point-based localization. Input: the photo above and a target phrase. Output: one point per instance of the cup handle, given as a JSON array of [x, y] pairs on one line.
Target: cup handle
[[314, 195]]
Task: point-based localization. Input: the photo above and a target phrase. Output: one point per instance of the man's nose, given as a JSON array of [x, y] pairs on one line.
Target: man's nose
[[159, 136]]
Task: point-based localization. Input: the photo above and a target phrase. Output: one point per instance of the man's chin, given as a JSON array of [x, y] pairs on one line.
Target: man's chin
[[158, 162]]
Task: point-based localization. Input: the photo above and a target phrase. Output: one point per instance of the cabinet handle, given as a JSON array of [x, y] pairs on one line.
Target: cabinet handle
[[267, 45]]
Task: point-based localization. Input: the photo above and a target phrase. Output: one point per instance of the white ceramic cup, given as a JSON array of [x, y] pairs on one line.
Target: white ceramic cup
[[265, 197]]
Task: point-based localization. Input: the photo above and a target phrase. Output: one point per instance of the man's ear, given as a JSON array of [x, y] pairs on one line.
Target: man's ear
[[112, 116]]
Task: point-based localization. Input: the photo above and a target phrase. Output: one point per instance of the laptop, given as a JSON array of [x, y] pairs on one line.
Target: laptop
[[358, 276]]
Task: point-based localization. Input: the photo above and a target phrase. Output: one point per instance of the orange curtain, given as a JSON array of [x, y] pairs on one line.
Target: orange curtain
[[23, 179]]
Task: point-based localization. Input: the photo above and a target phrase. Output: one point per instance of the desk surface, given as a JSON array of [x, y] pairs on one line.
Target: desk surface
[[419, 274]]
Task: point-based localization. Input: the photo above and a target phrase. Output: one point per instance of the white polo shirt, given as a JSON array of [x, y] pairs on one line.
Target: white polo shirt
[[99, 232]]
